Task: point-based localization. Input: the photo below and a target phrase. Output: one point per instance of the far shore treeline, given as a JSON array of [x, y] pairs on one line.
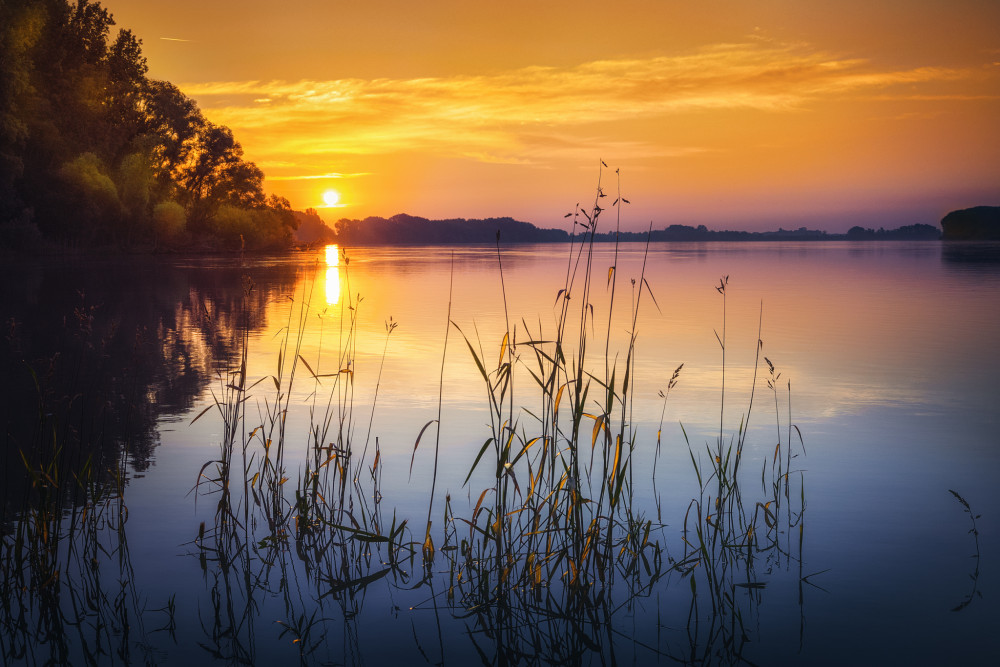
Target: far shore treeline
[[405, 229], [94, 153]]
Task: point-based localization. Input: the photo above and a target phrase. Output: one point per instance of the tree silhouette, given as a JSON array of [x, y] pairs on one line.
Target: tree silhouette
[[93, 151]]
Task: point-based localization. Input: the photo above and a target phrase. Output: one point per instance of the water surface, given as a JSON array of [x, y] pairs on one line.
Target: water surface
[[888, 365]]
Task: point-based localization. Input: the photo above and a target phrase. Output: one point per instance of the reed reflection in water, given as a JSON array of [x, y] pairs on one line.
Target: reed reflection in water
[[330, 539]]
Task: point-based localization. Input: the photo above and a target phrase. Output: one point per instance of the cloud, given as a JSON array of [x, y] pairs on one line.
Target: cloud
[[312, 177], [499, 117]]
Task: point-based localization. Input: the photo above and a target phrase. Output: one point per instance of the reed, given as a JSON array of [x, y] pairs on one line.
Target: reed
[[555, 534], [554, 543], [726, 536], [328, 514], [974, 593]]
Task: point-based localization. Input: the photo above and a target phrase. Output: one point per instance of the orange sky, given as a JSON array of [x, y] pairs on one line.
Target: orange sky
[[733, 114]]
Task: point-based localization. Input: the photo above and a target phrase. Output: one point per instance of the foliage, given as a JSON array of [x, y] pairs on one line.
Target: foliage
[[262, 227], [90, 193], [169, 220], [90, 146], [311, 228]]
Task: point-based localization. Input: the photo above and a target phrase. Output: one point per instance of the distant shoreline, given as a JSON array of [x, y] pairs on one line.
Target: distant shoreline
[[405, 230], [504, 242]]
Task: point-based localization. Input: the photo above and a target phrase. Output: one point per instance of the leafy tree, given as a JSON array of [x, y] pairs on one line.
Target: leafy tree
[[171, 121], [124, 89], [169, 221], [215, 174], [135, 181], [20, 29], [98, 152], [90, 193]]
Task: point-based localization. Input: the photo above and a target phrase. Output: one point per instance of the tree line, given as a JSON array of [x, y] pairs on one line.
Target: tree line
[[406, 229], [94, 152], [403, 229]]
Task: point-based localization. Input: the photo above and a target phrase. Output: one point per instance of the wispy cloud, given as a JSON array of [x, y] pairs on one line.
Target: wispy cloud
[[317, 177], [503, 117], [174, 39]]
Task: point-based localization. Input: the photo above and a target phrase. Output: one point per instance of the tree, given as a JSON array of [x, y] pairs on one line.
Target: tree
[[92, 196], [124, 87], [91, 147], [171, 121], [215, 174], [20, 30]]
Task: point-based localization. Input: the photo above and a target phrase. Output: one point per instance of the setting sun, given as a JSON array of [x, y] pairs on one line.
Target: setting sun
[[331, 198]]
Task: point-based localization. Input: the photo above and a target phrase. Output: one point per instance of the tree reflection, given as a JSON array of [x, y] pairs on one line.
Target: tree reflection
[[93, 356], [95, 353]]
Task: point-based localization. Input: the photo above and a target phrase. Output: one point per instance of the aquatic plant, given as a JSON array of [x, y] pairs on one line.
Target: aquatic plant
[[557, 531], [554, 537], [974, 593], [552, 549]]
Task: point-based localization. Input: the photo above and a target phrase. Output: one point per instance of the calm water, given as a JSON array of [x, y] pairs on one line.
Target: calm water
[[889, 349]]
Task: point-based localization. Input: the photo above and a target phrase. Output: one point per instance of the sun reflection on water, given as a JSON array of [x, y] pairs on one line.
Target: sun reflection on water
[[332, 274]]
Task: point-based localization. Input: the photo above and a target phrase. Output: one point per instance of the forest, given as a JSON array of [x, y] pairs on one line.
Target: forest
[[95, 153]]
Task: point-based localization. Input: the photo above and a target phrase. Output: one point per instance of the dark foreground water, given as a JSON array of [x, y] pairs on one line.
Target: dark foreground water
[[138, 528]]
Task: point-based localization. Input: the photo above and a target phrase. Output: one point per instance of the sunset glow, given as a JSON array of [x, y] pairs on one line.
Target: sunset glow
[[782, 114]]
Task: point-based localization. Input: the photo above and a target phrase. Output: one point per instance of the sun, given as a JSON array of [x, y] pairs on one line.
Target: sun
[[331, 198]]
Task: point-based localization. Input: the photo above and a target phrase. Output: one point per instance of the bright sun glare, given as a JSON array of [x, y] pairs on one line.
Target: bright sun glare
[[331, 197]]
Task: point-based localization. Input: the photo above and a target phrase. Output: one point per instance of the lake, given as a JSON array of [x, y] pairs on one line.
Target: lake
[[235, 460]]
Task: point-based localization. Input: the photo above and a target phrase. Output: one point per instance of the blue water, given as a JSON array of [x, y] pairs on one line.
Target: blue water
[[890, 349]]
